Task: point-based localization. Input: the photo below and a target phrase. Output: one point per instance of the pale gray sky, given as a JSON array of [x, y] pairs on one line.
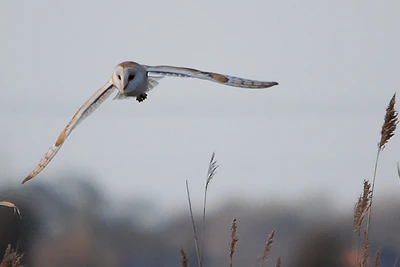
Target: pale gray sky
[[337, 63]]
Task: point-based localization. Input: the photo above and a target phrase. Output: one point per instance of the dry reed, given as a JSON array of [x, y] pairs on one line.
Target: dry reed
[[196, 242], [377, 258], [360, 209], [11, 258], [278, 262], [387, 132], [364, 260], [268, 246], [234, 240], [212, 170], [390, 123], [184, 261], [362, 206]]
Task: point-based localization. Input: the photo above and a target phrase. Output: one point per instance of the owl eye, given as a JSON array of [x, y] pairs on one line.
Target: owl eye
[[131, 77], [119, 77]]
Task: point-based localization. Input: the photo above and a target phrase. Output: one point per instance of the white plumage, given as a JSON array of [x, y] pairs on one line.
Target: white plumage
[[134, 80]]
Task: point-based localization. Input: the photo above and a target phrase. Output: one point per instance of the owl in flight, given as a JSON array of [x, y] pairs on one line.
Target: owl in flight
[[131, 79]]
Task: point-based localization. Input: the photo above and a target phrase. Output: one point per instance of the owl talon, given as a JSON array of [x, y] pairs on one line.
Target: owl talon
[[141, 98]]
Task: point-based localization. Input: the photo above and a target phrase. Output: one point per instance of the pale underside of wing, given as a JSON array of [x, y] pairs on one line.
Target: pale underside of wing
[[84, 111], [210, 76]]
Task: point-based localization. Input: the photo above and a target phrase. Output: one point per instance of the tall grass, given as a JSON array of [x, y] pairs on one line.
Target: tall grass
[[364, 203], [11, 258], [212, 170], [268, 247], [362, 210]]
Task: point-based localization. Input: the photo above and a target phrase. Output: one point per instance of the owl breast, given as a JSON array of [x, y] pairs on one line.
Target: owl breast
[[138, 86]]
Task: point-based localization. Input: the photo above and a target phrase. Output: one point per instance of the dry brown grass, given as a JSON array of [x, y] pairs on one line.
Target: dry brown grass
[[212, 171], [362, 206], [390, 123], [387, 132], [360, 209], [278, 262], [268, 246], [377, 258], [184, 261], [234, 241], [364, 203], [11, 258], [364, 260]]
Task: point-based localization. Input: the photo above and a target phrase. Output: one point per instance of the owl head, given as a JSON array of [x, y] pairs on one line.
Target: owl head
[[130, 78]]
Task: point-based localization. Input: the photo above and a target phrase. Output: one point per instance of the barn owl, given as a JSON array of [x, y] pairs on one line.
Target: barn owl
[[131, 79]]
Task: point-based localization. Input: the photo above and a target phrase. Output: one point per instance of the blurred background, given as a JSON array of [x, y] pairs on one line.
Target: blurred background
[[292, 157]]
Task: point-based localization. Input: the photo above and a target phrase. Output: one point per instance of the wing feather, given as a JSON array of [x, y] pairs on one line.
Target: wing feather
[[210, 76], [85, 110]]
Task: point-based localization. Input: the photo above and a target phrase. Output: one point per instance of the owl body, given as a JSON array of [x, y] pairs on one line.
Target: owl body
[[131, 79]]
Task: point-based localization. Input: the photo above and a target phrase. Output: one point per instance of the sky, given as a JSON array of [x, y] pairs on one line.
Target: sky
[[315, 134]]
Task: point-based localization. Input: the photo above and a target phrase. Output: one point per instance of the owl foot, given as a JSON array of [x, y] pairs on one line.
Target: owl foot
[[141, 98]]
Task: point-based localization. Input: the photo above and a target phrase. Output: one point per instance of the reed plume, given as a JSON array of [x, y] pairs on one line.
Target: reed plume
[[389, 125], [234, 240], [11, 258], [362, 206], [378, 258], [387, 132], [268, 246], [184, 261], [278, 262], [212, 170]]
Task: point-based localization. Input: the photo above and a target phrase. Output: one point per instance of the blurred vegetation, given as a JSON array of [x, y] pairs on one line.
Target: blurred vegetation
[[56, 231], [75, 226]]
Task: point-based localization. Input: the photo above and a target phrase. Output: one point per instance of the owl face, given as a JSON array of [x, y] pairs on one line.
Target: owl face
[[130, 79]]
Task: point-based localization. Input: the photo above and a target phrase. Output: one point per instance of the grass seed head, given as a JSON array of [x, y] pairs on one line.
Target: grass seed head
[[362, 206], [390, 123], [184, 261], [234, 240], [268, 246]]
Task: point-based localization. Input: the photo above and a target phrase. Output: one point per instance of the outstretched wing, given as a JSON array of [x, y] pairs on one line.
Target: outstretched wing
[[210, 76], [86, 109]]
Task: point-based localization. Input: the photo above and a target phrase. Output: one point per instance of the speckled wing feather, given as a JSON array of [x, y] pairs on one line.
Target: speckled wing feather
[[86, 109], [210, 76]]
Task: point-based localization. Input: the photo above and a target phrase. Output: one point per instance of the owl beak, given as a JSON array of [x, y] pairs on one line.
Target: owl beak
[[120, 88], [125, 83]]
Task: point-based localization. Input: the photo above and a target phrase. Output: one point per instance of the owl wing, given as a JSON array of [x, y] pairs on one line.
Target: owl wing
[[84, 111], [210, 76]]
